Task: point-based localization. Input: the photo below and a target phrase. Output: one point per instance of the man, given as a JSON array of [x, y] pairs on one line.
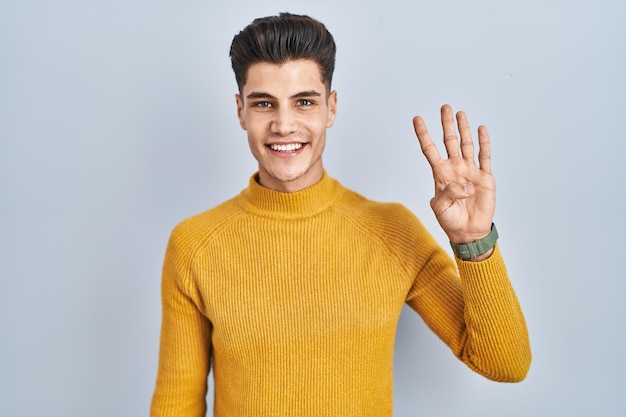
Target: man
[[291, 291]]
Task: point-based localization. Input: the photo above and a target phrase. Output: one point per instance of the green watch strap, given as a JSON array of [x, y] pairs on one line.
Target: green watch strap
[[478, 247]]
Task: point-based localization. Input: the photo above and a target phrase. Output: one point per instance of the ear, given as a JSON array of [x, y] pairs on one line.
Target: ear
[[332, 108], [239, 101]]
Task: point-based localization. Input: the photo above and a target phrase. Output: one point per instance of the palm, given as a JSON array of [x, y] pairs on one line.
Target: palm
[[465, 194]]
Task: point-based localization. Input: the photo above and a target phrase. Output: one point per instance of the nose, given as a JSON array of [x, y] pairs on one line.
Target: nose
[[284, 121]]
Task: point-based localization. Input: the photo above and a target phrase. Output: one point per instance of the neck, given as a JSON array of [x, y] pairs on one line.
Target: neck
[[267, 202]]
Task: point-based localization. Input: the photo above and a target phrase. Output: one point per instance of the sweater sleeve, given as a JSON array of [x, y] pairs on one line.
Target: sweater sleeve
[[476, 314], [184, 354]]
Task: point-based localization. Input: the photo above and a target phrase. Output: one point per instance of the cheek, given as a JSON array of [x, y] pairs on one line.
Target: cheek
[[322, 125], [255, 149], [257, 124], [256, 134]]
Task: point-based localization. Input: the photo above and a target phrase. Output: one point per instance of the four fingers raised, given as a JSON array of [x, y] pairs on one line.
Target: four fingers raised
[[451, 141]]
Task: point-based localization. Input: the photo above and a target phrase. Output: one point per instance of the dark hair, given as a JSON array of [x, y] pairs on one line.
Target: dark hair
[[282, 38]]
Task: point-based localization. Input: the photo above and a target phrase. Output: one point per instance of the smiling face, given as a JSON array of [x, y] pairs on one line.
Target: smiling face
[[286, 109]]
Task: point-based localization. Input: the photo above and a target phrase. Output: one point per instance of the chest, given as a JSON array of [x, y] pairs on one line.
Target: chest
[[284, 288]]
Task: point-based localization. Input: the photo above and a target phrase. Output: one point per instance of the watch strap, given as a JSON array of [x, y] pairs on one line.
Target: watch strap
[[478, 247]]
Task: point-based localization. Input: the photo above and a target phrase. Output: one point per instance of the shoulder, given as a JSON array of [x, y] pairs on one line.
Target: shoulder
[[376, 213], [393, 226], [390, 221], [195, 232]]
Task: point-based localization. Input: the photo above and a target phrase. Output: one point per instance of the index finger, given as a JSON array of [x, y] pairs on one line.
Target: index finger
[[426, 143]]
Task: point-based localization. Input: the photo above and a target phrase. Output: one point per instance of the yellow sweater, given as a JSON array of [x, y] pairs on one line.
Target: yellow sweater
[[293, 301]]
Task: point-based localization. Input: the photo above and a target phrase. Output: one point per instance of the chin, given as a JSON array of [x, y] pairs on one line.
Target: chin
[[288, 176], [293, 179]]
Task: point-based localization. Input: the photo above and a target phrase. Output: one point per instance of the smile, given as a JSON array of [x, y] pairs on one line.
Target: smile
[[288, 147]]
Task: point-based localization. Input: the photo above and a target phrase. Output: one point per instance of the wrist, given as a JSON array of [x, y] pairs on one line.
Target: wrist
[[478, 249], [482, 257]]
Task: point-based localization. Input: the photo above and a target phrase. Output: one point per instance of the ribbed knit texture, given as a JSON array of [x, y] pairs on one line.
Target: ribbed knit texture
[[295, 298]]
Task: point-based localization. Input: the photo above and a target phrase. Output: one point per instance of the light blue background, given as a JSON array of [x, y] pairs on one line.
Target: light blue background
[[117, 120]]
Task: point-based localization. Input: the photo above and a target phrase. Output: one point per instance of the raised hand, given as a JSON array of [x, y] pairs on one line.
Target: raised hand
[[465, 194]]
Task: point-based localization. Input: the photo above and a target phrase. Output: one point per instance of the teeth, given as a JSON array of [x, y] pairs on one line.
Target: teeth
[[290, 147]]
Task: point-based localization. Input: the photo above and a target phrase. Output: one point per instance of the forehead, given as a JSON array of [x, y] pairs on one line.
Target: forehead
[[283, 79]]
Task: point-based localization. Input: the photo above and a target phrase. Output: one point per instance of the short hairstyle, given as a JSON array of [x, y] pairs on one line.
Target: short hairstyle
[[283, 38]]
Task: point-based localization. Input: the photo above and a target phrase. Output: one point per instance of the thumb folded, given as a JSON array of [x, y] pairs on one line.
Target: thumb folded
[[453, 191]]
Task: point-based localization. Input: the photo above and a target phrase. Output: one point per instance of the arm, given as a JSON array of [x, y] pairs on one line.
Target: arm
[[496, 343], [184, 355], [478, 316]]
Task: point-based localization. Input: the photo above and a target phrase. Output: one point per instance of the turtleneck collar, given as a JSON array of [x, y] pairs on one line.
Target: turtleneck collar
[[263, 201]]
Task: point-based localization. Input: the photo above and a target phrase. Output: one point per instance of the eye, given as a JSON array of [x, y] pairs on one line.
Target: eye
[[263, 104], [304, 103]]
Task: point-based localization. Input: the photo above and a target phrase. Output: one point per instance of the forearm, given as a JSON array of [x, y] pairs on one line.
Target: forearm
[[497, 344], [477, 314]]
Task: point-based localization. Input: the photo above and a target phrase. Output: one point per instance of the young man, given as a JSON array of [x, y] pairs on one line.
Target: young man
[[291, 291]]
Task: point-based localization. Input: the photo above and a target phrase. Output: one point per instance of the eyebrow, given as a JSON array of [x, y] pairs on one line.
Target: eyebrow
[[259, 94]]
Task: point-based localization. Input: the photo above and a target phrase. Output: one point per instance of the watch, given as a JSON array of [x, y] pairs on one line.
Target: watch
[[478, 247]]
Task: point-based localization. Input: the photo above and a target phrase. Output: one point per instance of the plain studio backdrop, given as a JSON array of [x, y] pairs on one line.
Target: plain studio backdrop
[[118, 120]]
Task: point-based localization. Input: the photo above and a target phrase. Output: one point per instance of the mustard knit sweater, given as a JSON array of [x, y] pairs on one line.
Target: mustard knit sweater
[[293, 301]]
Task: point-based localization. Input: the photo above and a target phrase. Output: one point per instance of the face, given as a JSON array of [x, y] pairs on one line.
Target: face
[[286, 110]]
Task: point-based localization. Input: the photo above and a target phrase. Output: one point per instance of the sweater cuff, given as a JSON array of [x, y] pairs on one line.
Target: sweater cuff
[[492, 268], [485, 281]]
